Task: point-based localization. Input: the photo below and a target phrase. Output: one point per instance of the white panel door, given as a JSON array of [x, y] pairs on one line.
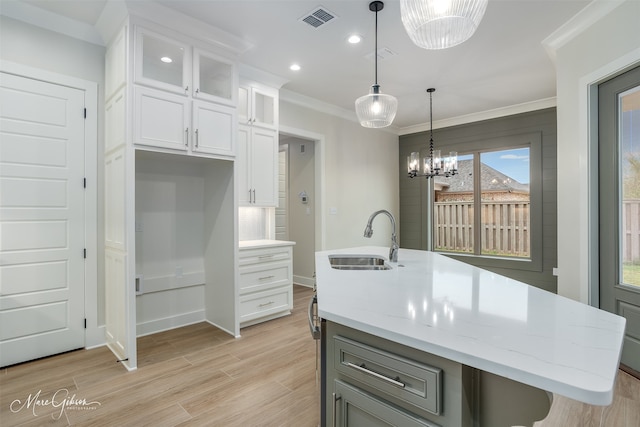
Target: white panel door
[[41, 219]]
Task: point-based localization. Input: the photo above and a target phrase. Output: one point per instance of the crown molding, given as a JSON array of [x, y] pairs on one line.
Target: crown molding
[[580, 22], [50, 21], [254, 74], [187, 25], [482, 115]]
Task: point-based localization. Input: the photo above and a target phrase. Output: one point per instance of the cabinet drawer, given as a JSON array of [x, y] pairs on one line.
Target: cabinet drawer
[[355, 407], [260, 277], [262, 304], [264, 255], [414, 383]]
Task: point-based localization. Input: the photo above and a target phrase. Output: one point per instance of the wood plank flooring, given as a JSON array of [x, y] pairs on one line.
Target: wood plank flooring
[[200, 376]]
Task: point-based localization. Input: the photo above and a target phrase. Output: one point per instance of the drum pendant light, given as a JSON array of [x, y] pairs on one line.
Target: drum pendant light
[[439, 24]]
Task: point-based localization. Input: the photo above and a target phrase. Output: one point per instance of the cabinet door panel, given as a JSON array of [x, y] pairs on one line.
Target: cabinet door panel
[[357, 408], [214, 78], [264, 155], [242, 165], [214, 129], [162, 62], [161, 120]]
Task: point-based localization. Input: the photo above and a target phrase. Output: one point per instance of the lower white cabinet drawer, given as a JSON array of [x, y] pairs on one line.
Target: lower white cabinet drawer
[[262, 277], [260, 304], [262, 255]]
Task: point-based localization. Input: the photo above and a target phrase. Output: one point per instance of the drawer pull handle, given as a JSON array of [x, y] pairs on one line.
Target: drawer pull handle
[[266, 277], [362, 368], [264, 304], [265, 256]]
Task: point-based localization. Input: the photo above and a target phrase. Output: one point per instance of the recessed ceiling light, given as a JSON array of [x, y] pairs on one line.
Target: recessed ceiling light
[[294, 67], [166, 60], [354, 39]]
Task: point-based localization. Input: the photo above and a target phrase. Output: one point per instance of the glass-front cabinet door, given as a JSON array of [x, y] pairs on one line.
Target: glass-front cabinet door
[[258, 106], [162, 62], [214, 78]]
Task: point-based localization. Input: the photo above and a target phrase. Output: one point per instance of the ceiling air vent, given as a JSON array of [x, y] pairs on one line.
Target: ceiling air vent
[[318, 17]]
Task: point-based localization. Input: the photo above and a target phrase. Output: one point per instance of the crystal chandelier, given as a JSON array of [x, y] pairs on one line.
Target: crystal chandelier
[[439, 24], [435, 164], [376, 109]]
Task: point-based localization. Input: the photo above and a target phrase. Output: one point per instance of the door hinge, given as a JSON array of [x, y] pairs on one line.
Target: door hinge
[[84, 182], [85, 113], [85, 323], [85, 252]]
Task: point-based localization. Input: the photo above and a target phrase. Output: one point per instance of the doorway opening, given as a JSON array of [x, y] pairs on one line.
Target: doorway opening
[[299, 204]]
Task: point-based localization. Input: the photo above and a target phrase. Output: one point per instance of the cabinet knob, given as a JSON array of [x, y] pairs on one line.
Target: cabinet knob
[[186, 89]]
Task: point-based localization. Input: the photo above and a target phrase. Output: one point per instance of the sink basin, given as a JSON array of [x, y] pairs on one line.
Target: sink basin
[[358, 262]]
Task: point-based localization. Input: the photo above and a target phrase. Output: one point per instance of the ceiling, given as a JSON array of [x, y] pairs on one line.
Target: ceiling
[[502, 65]]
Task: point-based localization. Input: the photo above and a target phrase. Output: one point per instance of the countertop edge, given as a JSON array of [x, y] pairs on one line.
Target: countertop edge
[[255, 244]]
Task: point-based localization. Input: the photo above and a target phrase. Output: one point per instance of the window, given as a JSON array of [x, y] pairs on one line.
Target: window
[[508, 137], [502, 210], [629, 146], [490, 213]]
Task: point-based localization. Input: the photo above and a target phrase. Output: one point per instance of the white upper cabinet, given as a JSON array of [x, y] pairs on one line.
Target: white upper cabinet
[[184, 97], [178, 67], [161, 120], [258, 106], [257, 162], [162, 62], [214, 129], [170, 121], [214, 78]]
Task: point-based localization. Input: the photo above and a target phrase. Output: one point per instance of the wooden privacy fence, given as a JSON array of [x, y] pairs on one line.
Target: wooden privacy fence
[[504, 229], [631, 231]]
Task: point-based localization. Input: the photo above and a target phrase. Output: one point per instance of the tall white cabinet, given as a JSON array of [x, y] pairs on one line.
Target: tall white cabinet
[[257, 145], [171, 236]]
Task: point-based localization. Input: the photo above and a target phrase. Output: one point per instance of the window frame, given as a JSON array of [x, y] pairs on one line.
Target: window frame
[[532, 140]]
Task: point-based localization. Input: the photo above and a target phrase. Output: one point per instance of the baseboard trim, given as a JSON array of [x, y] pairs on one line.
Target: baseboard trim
[[630, 371], [168, 323], [304, 281]]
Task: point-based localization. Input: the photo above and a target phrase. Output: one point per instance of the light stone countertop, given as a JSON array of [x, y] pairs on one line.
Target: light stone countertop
[[255, 244], [475, 317]]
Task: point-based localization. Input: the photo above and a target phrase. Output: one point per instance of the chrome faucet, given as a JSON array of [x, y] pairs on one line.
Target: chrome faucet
[[368, 232]]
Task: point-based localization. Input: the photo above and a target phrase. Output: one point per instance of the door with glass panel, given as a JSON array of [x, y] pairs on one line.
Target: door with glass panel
[[619, 205]]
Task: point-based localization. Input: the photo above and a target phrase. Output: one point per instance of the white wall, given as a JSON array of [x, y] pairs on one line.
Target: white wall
[[301, 215], [43, 49], [360, 176], [608, 46]]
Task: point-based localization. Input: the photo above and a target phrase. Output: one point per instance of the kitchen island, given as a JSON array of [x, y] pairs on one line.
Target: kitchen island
[[491, 348]]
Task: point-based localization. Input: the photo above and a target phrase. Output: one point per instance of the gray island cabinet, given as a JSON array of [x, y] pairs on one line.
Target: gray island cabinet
[[431, 341]]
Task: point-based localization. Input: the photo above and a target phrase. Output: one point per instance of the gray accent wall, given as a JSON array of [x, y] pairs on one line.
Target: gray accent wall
[[413, 192]]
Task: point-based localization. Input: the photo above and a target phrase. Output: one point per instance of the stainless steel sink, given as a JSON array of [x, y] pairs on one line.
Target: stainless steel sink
[[358, 262]]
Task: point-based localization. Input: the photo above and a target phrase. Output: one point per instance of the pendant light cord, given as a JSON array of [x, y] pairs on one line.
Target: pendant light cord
[[375, 52], [431, 128]]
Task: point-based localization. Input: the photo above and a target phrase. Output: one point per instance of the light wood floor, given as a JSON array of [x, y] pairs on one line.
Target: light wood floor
[[200, 376]]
